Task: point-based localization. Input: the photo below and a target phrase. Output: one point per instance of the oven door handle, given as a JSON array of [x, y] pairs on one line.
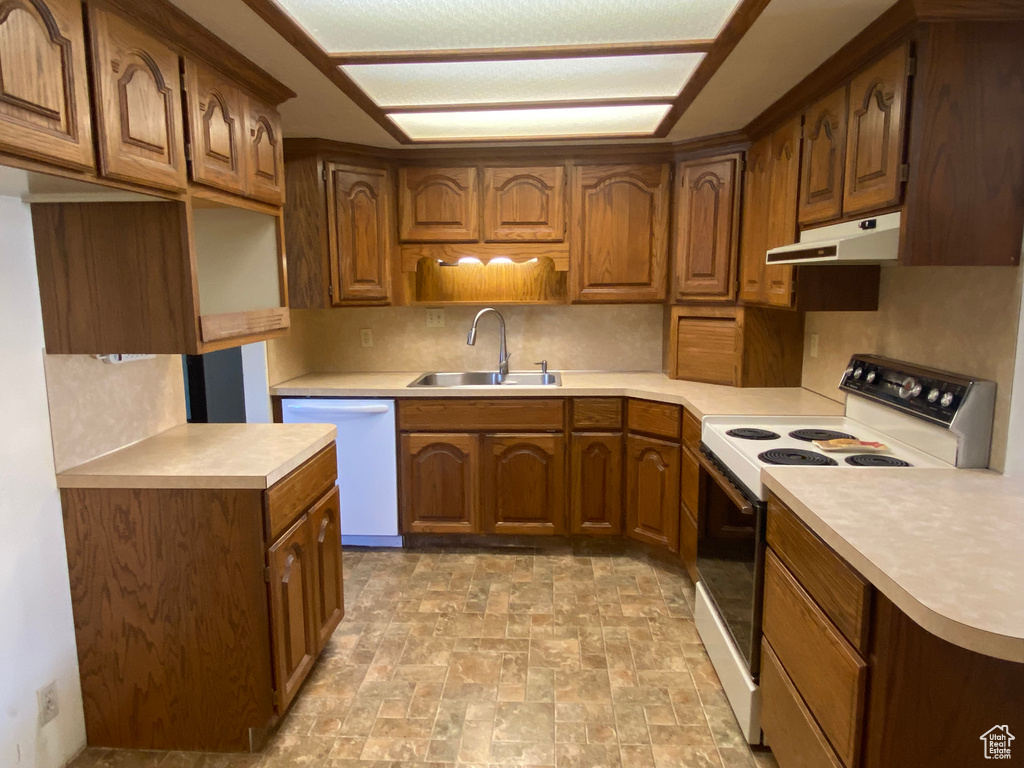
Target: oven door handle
[[746, 507]]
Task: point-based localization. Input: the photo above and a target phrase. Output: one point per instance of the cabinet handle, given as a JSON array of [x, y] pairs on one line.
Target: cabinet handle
[[323, 529], [723, 482], [286, 572], [302, 408]]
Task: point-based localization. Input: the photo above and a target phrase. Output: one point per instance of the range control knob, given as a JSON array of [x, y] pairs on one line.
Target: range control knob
[[947, 399], [870, 377], [910, 388], [858, 372], [933, 395]]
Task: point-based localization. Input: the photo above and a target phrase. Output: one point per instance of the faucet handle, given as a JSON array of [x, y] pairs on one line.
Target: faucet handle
[[543, 366]]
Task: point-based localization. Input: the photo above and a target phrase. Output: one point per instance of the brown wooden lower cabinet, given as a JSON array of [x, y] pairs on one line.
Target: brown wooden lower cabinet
[[690, 525], [595, 483], [439, 483], [524, 484], [652, 491], [194, 627]]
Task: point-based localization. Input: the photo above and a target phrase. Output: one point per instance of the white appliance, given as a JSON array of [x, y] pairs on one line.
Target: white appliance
[[367, 464], [868, 241], [925, 418]]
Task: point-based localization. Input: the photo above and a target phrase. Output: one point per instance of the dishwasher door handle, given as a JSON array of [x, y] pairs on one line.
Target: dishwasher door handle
[[365, 409]]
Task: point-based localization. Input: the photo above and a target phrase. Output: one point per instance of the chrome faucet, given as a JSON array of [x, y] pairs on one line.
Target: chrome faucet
[[503, 354]]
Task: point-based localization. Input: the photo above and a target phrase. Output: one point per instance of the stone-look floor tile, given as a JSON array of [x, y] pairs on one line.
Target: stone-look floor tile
[[763, 758], [724, 727], [587, 756], [660, 714], [571, 733], [540, 685], [582, 686], [555, 653], [682, 735], [346, 748], [476, 742], [396, 750], [220, 760], [520, 753], [674, 756], [450, 721], [736, 757], [533, 722], [394, 728], [598, 733], [631, 724], [637, 756], [480, 710]]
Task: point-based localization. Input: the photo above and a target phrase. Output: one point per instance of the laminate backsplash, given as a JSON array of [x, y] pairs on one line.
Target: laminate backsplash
[[960, 319]]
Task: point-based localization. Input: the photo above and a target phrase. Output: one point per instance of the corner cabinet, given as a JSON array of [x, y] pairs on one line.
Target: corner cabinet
[[44, 95], [619, 233], [360, 223]]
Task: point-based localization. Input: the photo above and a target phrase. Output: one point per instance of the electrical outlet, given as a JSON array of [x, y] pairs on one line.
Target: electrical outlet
[[47, 699], [814, 345], [435, 318], [366, 337]]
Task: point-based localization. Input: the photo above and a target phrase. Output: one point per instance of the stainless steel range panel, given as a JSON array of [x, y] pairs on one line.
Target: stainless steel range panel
[[925, 419]]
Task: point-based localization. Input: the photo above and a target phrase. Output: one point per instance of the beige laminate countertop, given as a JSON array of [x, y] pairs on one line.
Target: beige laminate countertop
[[945, 545], [700, 399], [205, 456]]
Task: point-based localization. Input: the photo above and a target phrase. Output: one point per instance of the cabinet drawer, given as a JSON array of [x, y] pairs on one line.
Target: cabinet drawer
[[828, 673], [691, 431], [795, 738], [533, 415], [599, 413], [838, 590], [658, 419], [297, 491]]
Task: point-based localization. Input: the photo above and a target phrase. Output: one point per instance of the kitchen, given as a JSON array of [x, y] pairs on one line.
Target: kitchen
[[553, 598]]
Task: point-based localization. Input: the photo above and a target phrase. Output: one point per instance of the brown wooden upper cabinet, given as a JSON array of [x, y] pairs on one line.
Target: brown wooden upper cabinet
[[359, 232], [438, 205], [707, 217], [216, 120], [824, 161], [44, 96], [619, 234], [524, 204], [264, 145], [139, 120]]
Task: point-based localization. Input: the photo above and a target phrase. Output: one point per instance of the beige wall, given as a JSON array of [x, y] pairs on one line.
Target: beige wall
[[96, 407], [962, 319], [612, 338]]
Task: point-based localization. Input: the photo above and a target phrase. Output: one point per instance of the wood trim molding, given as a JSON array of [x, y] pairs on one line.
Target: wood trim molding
[[523, 52], [974, 10], [739, 24]]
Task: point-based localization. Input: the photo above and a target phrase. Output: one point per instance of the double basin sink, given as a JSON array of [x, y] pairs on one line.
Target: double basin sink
[[489, 379]]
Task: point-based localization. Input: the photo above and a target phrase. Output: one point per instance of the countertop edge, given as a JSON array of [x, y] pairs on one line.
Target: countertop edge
[[951, 630]]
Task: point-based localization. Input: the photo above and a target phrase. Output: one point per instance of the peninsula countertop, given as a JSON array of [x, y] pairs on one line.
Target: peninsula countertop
[[205, 456]]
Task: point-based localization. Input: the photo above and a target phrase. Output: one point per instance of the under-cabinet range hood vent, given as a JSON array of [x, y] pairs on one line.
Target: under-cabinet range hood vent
[[868, 241]]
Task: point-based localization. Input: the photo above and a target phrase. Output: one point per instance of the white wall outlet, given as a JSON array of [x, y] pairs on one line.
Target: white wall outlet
[[814, 345], [435, 318], [365, 337], [47, 700]]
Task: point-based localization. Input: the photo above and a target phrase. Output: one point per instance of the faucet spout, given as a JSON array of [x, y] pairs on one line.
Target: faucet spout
[[503, 355]]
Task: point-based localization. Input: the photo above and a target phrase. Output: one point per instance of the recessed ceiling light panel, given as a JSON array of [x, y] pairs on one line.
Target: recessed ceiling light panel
[[633, 120], [349, 26], [532, 80]]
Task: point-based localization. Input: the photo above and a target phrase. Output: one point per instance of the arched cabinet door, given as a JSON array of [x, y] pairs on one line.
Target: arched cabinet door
[[824, 159], [138, 93], [754, 222], [359, 213], [782, 216], [216, 124], [524, 484], [438, 205], [44, 97], [524, 205], [264, 162], [440, 483], [595, 483], [325, 526], [652, 491]]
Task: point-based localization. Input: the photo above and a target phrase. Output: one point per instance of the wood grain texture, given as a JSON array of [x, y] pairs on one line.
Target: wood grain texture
[[171, 616], [248, 325], [796, 739], [263, 143], [410, 254], [837, 288], [828, 673], [440, 483], [923, 685], [137, 87], [597, 413], [438, 205], [481, 415], [691, 430], [822, 171], [707, 347], [975, 10], [619, 233], [783, 203], [965, 198], [754, 221], [595, 483], [87, 253], [773, 347], [652, 491], [690, 490], [215, 111], [524, 484], [361, 231], [293, 494], [44, 97], [841, 592], [305, 234], [522, 204], [658, 419], [689, 538], [707, 229], [325, 524], [537, 282]]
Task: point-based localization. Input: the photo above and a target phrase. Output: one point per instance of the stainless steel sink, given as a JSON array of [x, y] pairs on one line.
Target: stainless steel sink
[[488, 379]]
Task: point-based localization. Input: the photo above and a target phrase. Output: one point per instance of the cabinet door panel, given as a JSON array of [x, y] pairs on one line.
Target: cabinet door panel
[[706, 242], [652, 491], [325, 524], [524, 204], [440, 481], [782, 212], [824, 163], [619, 247], [138, 93], [875, 142], [292, 609], [216, 125], [438, 205], [708, 349], [360, 239], [264, 161], [524, 484], [44, 97], [596, 483], [756, 202]]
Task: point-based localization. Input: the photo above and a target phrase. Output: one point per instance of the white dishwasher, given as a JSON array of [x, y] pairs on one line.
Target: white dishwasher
[[367, 464]]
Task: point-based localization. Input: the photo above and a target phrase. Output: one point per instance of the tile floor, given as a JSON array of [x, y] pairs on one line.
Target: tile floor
[[524, 657]]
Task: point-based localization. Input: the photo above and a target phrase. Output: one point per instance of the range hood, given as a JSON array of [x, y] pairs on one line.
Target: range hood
[[868, 241]]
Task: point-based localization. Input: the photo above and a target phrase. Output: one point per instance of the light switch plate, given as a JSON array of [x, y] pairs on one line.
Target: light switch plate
[[435, 318], [365, 337]]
